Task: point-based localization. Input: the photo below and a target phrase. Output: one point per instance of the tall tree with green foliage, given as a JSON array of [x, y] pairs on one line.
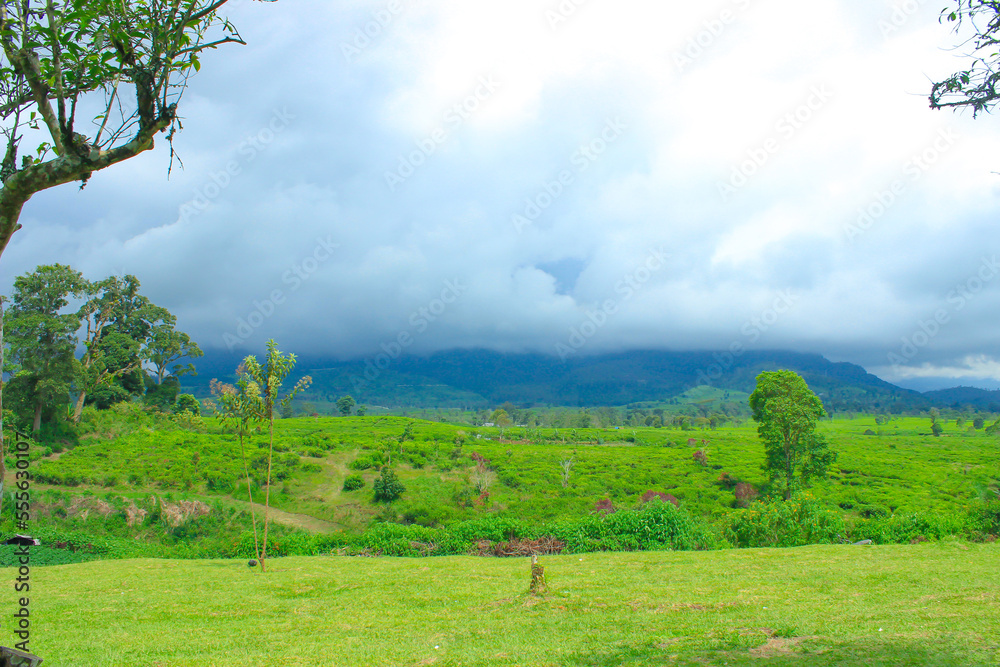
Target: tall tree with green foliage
[[269, 377], [787, 413], [42, 337], [122, 330]]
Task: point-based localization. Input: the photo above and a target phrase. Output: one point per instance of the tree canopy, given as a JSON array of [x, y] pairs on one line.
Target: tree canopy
[[42, 338], [787, 413], [86, 84], [118, 329], [976, 86]]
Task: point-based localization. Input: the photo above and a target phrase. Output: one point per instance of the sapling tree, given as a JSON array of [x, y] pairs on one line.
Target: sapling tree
[[269, 377], [566, 467], [241, 405]]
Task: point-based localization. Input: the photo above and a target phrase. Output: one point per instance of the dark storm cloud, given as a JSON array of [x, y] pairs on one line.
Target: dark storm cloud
[[477, 176]]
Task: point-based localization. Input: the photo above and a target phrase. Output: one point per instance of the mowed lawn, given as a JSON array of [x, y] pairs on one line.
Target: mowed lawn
[[926, 604]]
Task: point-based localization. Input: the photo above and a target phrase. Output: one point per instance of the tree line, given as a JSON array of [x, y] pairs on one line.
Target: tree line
[[70, 342]]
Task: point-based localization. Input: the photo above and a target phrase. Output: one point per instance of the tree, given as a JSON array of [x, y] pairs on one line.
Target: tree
[[362, 410], [502, 420], [387, 486], [131, 60], [187, 403], [241, 405], [42, 337], [268, 377], [344, 404], [166, 345], [787, 412], [975, 87], [122, 330]]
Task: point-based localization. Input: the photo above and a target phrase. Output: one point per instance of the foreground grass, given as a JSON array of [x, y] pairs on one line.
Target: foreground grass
[[928, 604]]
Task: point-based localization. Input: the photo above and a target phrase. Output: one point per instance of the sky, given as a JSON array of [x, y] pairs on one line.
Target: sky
[[571, 178]]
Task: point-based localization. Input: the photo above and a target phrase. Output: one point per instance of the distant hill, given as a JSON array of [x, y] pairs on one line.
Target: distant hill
[[483, 378], [961, 397]]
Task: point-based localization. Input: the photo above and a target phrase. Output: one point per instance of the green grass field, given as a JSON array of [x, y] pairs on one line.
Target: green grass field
[[928, 604]]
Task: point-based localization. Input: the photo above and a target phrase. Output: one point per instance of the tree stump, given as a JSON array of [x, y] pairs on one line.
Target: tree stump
[[537, 576]]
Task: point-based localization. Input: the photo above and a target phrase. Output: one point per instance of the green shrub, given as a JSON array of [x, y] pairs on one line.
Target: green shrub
[[353, 483], [784, 523], [187, 403], [387, 486], [371, 460]]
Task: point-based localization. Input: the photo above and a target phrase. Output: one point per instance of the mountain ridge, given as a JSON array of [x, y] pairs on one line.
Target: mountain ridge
[[478, 378]]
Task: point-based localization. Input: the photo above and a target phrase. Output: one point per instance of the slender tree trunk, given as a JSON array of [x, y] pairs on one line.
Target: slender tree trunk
[[267, 493], [788, 477], [253, 514], [37, 423], [78, 408]]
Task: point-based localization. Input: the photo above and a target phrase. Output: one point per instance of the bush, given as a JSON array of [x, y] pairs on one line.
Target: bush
[[388, 487], [665, 497], [727, 481], [187, 403], [778, 523], [745, 494], [657, 526], [370, 460], [353, 483], [604, 506]]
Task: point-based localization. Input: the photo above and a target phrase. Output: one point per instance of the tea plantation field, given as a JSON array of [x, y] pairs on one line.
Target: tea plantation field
[[455, 472]]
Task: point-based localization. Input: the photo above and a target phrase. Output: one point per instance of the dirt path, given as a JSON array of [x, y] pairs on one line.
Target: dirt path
[[301, 521]]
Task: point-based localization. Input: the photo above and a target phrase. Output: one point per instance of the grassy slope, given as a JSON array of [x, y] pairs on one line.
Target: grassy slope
[[929, 604]]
